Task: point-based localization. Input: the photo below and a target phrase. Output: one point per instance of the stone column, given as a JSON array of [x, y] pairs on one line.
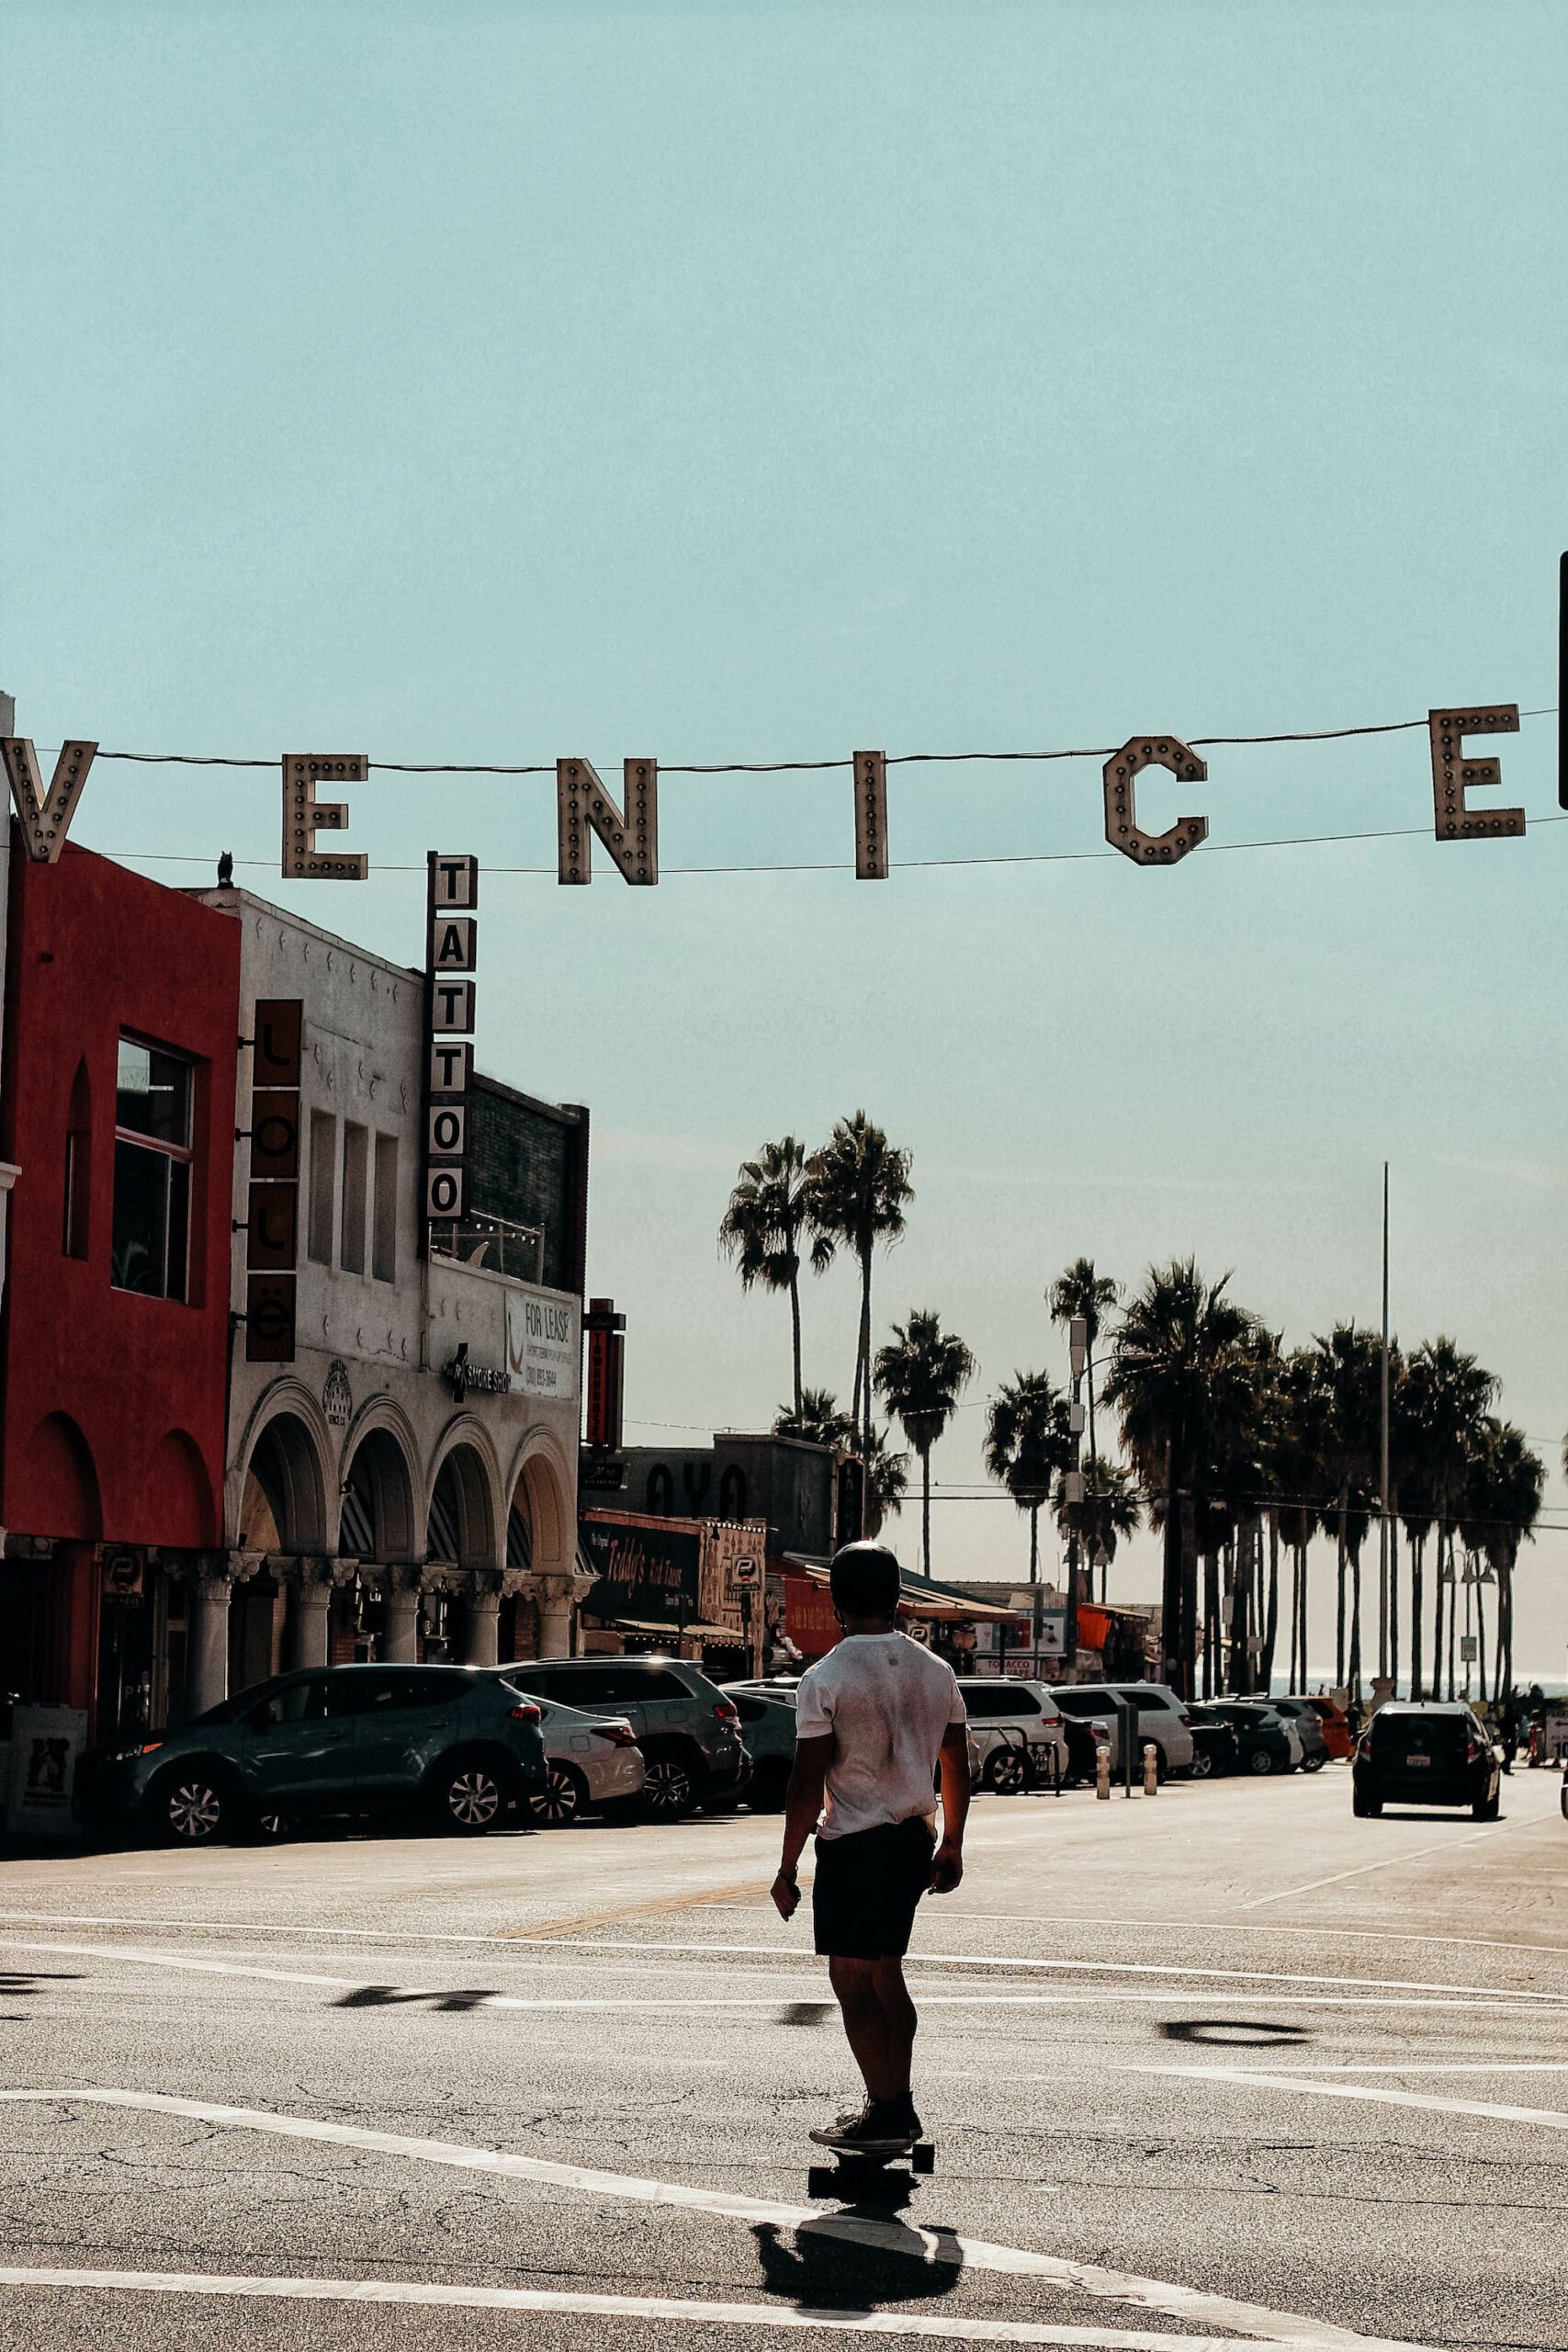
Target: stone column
[[399, 1603], [312, 1583], [554, 1595], [208, 1595], [482, 1621]]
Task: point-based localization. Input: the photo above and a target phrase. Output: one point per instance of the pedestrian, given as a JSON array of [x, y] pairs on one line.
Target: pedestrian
[[1508, 1728], [875, 1721]]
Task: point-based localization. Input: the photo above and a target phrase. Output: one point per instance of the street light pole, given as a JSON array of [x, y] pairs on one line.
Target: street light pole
[[1383, 1560], [1072, 1488]]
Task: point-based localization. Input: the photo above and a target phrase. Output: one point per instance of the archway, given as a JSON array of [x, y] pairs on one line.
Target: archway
[[58, 1489], [462, 1521], [378, 1521], [176, 1503], [283, 1502]]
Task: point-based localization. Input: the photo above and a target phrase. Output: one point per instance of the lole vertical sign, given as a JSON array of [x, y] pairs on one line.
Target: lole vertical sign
[[451, 958], [273, 1208]]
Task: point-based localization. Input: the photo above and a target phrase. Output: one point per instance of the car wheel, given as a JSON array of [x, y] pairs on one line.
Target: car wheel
[[275, 1828], [195, 1808], [1314, 1763], [1203, 1764], [1007, 1774], [1262, 1762], [561, 1800], [1365, 1808], [669, 1791], [1486, 1808], [467, 1797]]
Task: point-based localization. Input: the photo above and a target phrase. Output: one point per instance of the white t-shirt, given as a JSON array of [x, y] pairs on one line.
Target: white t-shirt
[[887, 1702]]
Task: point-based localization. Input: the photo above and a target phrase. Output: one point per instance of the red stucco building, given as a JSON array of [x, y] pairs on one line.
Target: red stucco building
[[117, 1107]]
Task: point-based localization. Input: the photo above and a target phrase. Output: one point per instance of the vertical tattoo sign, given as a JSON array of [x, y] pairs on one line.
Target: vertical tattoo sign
[[452, 895], [272, 1222]]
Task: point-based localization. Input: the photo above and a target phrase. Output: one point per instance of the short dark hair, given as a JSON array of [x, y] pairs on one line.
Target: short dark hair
[[865, 1581]]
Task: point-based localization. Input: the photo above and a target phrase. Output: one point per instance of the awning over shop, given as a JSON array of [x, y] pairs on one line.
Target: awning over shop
[[935, 1603], [692, 1632]]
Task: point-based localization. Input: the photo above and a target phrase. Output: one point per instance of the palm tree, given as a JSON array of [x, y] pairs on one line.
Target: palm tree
[[1349, 1373], [1294, 1449], [762, 1227], [1183, 1380], [816, 1419], [857, 1190], [1027, 1440], [886, 1477], [920, 1374], [1448, 1394], [1500, 1506], [1110, 1510], [1080, 1291]]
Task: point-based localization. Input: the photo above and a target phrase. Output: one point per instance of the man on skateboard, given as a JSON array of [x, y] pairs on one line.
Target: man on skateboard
[[874, 1721]]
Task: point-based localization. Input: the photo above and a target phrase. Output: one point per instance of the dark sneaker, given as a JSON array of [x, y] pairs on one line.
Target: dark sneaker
[[879, 2129]]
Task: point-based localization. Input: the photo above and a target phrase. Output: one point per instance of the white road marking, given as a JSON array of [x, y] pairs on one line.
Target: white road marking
[[457, 1995], [624, 2307], [1466, 2066], [941, 2246], [1004, 1918], [1545, 2117], [1387, 1862]]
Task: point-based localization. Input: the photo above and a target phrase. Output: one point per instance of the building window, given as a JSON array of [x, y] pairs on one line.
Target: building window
[[323, 1185], [78, 1165], [151, 1172], [355, 1184], [384, 1240]]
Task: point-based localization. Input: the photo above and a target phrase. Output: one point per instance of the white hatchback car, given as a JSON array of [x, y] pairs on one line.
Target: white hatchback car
[[593, 1764]]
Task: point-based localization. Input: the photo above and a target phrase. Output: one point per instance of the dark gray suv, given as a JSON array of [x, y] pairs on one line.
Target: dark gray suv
[[687, 1728]]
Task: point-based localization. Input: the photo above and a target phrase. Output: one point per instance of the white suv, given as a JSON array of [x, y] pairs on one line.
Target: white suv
[[1162, 1717], [1015, 1730]]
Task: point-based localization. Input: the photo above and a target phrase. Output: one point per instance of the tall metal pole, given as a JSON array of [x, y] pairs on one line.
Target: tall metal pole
[[1382, 1481]]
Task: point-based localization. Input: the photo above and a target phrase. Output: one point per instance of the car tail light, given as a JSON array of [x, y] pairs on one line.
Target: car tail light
[[1472, 1751], [618, 1735], [1364, 1749], [1183, 1717], [728, 1712], [527, 1713]]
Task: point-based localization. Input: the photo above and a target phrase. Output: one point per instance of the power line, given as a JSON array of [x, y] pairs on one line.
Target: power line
[[795, 767]]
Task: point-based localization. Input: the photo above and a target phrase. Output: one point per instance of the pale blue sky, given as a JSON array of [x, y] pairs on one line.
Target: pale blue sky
[[754, 382]]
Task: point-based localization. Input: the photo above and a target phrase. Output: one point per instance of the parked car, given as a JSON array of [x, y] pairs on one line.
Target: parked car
[[1336, 1734], [688, 1729], [1215, 1747], [592, 1764], [1426, 1751], [1269, 1743], [1089, 1715], [1311, 1728], [441, 1744], [1018, 1733], [767, 1726], [1162, 1717]]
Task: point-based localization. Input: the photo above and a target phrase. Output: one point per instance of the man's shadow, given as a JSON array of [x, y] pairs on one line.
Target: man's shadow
[[822, 2272]]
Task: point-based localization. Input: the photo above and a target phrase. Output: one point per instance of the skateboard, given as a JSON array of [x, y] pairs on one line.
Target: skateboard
[[858, 2179]]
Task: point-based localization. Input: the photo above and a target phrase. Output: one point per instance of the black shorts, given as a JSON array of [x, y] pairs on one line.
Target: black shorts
[[867, 1886]]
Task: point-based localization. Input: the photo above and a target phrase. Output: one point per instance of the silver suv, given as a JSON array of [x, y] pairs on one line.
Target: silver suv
[[1016, 1728], [688, 1730], [1162, 1717]]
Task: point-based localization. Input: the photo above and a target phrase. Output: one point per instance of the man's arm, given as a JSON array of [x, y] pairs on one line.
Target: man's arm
[[803, 1803], [947, 1865]]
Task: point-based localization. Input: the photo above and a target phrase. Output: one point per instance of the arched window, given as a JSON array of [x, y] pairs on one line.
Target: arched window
[[78, 1164]]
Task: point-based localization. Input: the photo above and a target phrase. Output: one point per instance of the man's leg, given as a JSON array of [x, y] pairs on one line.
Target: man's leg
[[879, 2022]]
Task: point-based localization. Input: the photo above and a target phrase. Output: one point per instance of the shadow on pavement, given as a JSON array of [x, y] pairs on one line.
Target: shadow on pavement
[[827, 2273]]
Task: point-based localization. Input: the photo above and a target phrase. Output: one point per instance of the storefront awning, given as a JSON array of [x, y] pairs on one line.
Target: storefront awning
[[934, 1603], [692, 1631]]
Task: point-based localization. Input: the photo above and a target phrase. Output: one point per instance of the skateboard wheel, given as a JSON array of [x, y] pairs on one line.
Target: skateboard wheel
[[922, 2157], [819, 2180]]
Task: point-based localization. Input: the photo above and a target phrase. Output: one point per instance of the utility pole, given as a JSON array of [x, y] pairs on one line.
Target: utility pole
[[1383, 1547], [1072, 1487]]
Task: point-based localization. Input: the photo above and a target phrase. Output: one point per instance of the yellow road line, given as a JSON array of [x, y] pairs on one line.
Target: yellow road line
[[752, 1890]]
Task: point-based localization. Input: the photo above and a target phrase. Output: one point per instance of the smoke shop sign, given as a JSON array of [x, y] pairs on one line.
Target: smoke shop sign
[[647, 1573]]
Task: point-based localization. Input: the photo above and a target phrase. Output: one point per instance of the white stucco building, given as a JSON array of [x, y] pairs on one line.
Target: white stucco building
[[406, 1486]]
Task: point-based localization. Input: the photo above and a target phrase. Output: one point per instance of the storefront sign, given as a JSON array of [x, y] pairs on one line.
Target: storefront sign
[[451, 949], [541, 1345], [810, 1620], [272, 1226], [647, 1573]]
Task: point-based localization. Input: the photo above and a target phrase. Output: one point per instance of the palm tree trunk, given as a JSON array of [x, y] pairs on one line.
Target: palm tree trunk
[[1298, 1643], [862, 1377], [1393, 1603], [1272, 1622], [1417, 1594], [1339, 1619], [1506, 1619], [1355, 1659], [1088, 1367], [1481, 1636], [1033, 1543], [1189, 1525], [926, 1510], [1453, 1610], [1212, 1663], [795, 1331], [1437, 1690]]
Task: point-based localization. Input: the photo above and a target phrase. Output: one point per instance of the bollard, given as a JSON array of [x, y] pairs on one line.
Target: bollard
[[1151, 1769], [1103, 1769]]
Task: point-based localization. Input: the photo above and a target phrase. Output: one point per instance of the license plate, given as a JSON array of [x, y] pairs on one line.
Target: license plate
[[1417, 1763]]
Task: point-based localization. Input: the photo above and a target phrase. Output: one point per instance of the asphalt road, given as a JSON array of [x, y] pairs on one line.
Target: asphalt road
[[1225, 2065]]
